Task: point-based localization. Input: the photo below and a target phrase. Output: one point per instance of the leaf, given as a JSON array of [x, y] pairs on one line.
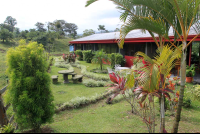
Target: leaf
[[143, 98], [168, 90], [156, 94], [142, 94], [167, 96]]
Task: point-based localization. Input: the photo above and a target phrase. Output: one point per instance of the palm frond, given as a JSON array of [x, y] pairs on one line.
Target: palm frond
[[89, 2]]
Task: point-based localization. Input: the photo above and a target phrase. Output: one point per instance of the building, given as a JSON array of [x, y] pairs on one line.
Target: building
[[135, 41]]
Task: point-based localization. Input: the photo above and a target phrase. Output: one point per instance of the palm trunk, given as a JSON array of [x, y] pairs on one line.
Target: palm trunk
[[181, 94], [162, 114]]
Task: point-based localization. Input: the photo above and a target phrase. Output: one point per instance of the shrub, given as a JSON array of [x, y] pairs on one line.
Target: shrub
[[100, 58], [94, 83], [80, 54], [7, 128], [87, 56], [197, 92], [29, 88], [119, 59], [112, 60]]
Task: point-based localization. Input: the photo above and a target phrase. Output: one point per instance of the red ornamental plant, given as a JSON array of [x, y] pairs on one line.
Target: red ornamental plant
[[64, 58], [118, 86]]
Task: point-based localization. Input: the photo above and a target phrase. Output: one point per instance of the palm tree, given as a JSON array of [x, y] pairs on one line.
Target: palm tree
[[99, 58], [181, 15]]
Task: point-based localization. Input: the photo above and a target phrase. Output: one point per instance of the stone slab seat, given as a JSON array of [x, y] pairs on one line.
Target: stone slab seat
[[54, 78], [77, 78], [73, 74]]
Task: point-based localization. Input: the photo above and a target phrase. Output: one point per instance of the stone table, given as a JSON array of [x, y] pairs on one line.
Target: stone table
[[65, 74]]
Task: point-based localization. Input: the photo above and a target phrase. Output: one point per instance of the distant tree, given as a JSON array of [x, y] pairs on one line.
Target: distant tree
[[32, 34], [23, 34], [72, 29], [11, 21], [101, 28], [5, 34], [16, 32], [88, 32], [117, 30], [6, 26], [40, 27]]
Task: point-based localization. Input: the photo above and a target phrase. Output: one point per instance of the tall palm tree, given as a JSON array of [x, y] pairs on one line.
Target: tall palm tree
[[182, 16], [141, 17]]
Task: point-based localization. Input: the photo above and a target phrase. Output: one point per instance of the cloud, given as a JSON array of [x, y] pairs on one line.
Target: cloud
[[29, 12]]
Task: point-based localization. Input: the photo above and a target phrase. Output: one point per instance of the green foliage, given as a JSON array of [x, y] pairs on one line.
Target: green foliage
[[80, 54], [100, 57], [29, 88], [5, 34], [190, 71], [7, 128], [197, 92], [91, 75], [88, 32], [112, 60], [94, 83], [80, 101], [88, 55], [186, 102], [119, 59]]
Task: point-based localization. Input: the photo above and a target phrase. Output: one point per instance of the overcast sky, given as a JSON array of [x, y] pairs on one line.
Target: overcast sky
[[29, 12]]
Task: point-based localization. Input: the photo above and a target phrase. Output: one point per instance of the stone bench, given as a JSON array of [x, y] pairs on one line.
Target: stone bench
[[77, 78], [73, 74], [54, 79]]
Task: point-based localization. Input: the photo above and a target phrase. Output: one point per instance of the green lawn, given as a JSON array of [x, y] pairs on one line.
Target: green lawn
[[104, 118], [65, 92], [117, 117]]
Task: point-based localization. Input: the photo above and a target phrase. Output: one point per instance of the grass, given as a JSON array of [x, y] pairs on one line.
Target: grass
[[61, 46], [65, 92], [117, 118], [104, 118]]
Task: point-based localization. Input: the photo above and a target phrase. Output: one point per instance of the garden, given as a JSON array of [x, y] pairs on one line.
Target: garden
[[99, 104], [142, 99]]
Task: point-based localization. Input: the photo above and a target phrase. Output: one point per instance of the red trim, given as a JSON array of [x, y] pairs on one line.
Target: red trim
[[132, 40]]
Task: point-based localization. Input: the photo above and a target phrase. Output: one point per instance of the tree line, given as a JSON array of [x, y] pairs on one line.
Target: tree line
[[43, 33]]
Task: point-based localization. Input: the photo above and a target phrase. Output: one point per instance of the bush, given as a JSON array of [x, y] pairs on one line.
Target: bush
[[29, 88], [112, 60], [87, 56], [119, 59], [7, 129], [197, 92], [94, 83], [80, 54]]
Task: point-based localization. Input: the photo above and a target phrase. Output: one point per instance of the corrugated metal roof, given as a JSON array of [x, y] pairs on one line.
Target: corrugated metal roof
[[134, 34]]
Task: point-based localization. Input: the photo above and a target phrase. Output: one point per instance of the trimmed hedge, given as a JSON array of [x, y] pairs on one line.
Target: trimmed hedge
[[80, 54], [116, 58], [88, 55]]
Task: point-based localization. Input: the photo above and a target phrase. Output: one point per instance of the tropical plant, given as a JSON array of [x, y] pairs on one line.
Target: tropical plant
[[197, 92], [29, 86], [182, 16], [7, 128], [100, 58], [190, 71], [149, 82], [79, 54]]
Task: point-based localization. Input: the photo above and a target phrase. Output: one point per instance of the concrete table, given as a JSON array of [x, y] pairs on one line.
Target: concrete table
[[65, 74]]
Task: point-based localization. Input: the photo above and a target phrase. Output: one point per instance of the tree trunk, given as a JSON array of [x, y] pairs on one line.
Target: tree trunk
[[181, 93], [162, 114]]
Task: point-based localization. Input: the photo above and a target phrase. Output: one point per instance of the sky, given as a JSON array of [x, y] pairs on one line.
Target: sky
[[29, 12]]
